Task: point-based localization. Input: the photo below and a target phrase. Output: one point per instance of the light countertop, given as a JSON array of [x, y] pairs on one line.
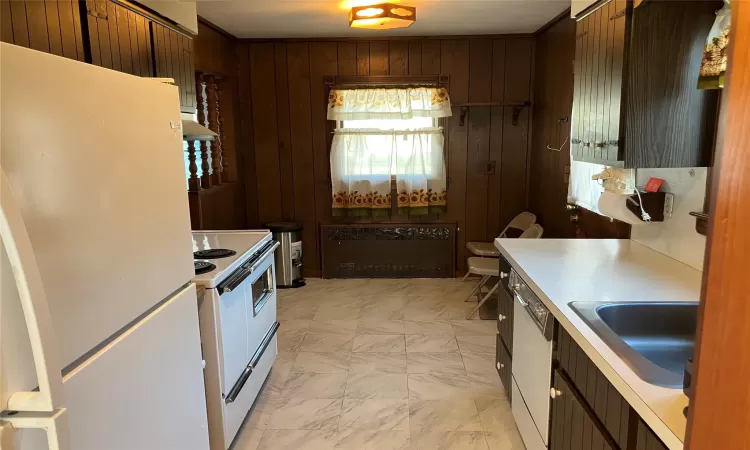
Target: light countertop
[[561, 271]]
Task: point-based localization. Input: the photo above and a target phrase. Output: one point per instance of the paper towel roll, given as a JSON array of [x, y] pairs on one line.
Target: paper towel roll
[[613, 205]]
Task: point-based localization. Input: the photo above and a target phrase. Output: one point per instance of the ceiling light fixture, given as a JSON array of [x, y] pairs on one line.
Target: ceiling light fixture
[[383, 16]]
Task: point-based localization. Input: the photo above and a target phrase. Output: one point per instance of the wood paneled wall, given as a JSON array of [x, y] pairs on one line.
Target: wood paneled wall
[[553, 100], [284, 100], [221, 207]]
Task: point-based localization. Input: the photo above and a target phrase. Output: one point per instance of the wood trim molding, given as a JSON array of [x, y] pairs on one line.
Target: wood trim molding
[[388, 38], [217, 28], [353, 81], [720, 410], [562, 16]]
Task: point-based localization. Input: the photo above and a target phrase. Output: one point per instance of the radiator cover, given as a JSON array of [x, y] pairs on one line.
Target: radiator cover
[[389, 250]]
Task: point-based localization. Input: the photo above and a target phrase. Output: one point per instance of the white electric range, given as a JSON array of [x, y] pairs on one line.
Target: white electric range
[[237, 311]]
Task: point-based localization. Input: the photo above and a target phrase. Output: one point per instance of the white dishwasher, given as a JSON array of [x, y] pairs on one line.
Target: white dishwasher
[[533, 330]]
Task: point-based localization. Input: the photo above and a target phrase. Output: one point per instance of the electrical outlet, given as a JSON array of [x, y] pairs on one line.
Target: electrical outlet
[[668, 204]]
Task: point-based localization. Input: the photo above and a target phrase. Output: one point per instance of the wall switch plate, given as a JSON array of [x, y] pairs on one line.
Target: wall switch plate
[[668, 204]]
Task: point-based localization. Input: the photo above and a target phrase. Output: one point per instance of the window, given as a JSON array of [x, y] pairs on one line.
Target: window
[[382, 135], [388, 145]]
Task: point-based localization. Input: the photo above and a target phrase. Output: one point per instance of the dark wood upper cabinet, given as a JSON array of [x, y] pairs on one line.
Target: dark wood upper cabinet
[[52, 26], [114, 34], [636, 102], [120, 38], [173, 53]]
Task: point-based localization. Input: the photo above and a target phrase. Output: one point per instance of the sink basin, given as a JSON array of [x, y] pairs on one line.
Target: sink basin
[[654, 339]]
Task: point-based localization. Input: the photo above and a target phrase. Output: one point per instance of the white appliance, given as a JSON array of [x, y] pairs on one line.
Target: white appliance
[[236, 274], [533, 329], [93, 159]]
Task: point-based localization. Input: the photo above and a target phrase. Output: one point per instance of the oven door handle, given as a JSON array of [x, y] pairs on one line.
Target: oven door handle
[[236, 279], [240, 383], [264, 345], [262, 257]]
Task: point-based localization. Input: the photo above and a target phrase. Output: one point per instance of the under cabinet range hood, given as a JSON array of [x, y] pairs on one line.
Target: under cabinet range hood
[[193, 131]]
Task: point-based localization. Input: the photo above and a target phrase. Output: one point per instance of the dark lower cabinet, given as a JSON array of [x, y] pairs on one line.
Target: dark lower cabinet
[[574, 425], [647, 440], [505, 318], [503, 364], [587, 410]]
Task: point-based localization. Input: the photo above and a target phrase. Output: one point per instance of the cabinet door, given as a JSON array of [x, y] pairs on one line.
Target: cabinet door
[[120, 38], [574, 427], [503, 365], [579, 66], [595, 128], [51, 26], [647, 440], [667, 121], [174, 59], [505, 317]]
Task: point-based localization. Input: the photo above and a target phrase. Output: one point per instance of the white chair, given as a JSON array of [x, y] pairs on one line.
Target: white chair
[[490, 267], [521, 222]]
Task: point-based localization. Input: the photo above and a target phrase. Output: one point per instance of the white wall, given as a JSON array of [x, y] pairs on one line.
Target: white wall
[[676, 236]]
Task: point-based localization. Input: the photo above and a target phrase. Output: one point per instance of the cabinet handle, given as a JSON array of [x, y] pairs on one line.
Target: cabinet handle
[[503, 275], [576, 141], [600, 144], [500, 317], [554, 393], [500, 366]]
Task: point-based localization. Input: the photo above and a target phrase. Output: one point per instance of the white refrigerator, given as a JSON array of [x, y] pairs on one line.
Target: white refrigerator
[[97, 247]]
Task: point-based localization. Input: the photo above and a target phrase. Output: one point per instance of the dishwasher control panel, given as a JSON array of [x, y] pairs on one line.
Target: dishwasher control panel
[[533, 304]]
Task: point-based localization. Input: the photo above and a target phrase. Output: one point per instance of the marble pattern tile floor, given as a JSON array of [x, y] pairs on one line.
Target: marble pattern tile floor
[[381, 365]]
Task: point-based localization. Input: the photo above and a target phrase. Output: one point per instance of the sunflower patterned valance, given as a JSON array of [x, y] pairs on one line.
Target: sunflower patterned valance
[[363, 104]]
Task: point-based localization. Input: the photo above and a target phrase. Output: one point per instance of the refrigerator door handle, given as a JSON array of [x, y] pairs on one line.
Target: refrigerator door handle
[[42, 408]]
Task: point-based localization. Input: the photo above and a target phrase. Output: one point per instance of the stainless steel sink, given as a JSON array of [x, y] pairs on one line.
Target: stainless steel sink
[[654, 339]]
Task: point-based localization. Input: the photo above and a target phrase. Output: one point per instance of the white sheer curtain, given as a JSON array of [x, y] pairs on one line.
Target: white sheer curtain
[[363, 162], [361, 173], [386, 134]]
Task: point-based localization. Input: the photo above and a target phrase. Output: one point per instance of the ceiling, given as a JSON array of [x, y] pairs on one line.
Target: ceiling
[[329, 18]]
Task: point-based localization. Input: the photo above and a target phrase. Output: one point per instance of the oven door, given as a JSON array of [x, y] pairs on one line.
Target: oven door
[[247, 300], [260, 317]]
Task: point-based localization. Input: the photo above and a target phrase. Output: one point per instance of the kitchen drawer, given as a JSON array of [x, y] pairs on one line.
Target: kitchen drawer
[[574, 426], [235, 412], [594, 388], [503, 366], [505, 317]]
